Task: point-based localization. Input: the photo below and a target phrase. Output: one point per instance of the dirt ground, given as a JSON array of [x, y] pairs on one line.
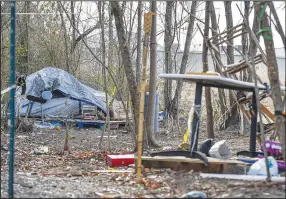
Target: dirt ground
[[73, 175]]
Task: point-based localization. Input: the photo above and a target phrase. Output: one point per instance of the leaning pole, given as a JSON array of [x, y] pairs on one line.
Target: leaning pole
[[11, 121]]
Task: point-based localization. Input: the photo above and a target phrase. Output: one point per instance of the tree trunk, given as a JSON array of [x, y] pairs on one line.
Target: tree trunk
[[168, 54], [127, 62], [252, 46], [278, 24], [244, 39], [73, 42], [175, 101], [273, 75], [73, 25], [102, 19], [230, 59], [22, 57], [65, 37], [221, 93], [209, 108], [229, 24], [139, 46], [244, 75], [153, 80], [110, 36]]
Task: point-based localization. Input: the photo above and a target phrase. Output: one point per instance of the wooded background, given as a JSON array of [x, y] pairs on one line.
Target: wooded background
[[100, 43]]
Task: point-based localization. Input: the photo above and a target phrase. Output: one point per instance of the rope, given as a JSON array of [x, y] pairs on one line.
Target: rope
[[263, 30]]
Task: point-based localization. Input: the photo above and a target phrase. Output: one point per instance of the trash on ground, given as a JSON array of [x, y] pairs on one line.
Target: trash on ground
[[162, 116], [195, 194], [241, 177], [48, 125], [109, 194], [41, 150], [220, 150], [259, 167], [273, 147], [281, 163], [105, 136]]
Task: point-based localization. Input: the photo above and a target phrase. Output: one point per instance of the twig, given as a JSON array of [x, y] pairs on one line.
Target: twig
[[196, 17]]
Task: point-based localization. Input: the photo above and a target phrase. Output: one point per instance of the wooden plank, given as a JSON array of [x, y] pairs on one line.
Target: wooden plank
[[190, 160], [227, 31], [243, 177], [202, 73], [183, 163], [234, 68], [267, 112]]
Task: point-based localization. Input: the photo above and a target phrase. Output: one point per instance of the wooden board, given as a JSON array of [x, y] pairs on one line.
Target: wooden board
[[202, 73], [183, 163]]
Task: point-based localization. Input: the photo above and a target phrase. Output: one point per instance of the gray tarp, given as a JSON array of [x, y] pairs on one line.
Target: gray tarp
[[69, 94]]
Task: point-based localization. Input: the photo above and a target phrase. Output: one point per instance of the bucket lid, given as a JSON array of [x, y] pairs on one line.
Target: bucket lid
[[47, 95]]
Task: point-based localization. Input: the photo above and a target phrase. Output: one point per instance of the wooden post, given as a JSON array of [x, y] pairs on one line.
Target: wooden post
[[147, 29]]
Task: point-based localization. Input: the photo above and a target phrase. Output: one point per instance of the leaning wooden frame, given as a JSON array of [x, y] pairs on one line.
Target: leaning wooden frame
[[216, 81]]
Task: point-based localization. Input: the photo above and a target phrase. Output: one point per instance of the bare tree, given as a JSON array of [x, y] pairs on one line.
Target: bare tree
[[153, 80], [273, 75], [102, 21], [73, 25], [65, 38], [229, 24], [110, 36], [208, 99], [23, 49], [127, 62], [168, 40], [139, 40], [177, 96], [221, 95], [230, 57], [244, 39], [252, 46]]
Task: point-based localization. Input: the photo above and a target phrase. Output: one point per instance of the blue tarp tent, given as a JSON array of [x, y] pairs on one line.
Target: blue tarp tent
[[69, 94]]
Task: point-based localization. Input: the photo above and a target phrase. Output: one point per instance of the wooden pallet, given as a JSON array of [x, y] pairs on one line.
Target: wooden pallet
[[183, 163], [114, 124], [98, 123], [228, 34], [81, 123]]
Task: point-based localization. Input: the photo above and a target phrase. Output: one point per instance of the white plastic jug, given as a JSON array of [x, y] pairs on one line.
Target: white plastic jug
[[259, 168]]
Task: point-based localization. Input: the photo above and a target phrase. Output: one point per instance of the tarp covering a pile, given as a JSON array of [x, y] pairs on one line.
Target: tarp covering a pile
[[69, 94]]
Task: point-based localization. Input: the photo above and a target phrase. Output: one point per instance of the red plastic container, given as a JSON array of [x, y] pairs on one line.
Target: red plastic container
[[120, 160]]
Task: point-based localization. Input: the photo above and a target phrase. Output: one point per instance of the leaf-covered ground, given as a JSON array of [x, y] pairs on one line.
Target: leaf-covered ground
[[78, 173]]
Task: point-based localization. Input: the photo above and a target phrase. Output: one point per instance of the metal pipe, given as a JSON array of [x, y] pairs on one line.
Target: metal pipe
[[11, 121], [196, 117]]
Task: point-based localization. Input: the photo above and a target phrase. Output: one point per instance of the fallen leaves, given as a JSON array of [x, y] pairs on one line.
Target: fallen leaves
[[85, 167]]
